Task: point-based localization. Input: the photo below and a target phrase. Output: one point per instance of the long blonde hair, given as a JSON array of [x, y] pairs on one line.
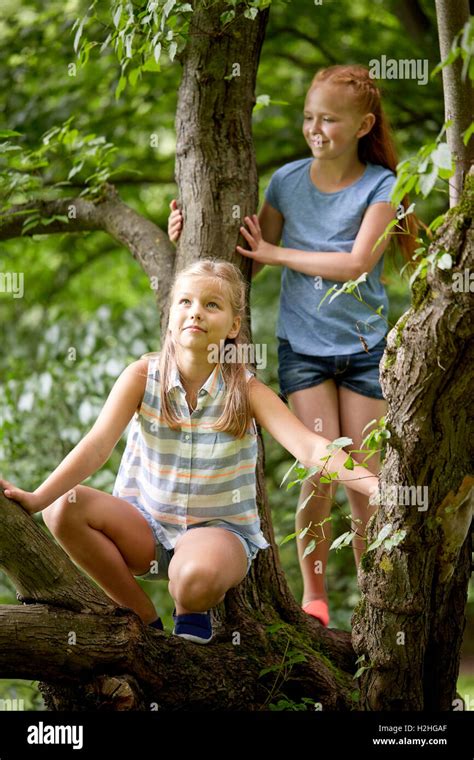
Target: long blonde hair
[[237, 414]]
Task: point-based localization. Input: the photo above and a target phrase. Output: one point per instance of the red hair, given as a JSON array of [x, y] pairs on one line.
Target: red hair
[[376, 147]]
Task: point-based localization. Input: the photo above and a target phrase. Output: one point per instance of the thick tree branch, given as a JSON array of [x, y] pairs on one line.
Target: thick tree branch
[[46, 575], [71, 632], [148, 244]]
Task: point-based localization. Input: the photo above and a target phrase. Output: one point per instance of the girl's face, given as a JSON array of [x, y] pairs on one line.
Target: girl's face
[[332, 125], [201, 314]]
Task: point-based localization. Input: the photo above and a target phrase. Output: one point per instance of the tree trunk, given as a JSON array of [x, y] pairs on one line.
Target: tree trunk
[[215, 159], [410, 621], [458, 95]]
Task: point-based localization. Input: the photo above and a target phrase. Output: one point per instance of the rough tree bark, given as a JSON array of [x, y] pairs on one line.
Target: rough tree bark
[[410, 621]]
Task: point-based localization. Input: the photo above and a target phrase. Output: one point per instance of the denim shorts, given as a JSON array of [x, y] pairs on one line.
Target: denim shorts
[[359, 372], [163, 557]]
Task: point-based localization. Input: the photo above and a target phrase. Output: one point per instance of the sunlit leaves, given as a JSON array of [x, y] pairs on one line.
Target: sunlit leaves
[[24, 173]]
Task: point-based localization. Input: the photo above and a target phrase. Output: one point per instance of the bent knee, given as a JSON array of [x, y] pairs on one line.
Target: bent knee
[[195, 582], [59, 515]]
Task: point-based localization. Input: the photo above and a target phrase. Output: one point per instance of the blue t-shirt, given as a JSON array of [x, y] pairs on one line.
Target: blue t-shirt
[[317, 221]]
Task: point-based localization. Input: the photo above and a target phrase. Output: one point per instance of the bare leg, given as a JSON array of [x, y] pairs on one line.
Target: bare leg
[[109, 539], [206, 563], [317, 408], [356, 411]]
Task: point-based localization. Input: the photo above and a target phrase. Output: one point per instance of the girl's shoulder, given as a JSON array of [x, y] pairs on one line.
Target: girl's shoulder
[[143, 367], [291, 168], [377, 174], [151, 361], [378, 182], [381, 171]]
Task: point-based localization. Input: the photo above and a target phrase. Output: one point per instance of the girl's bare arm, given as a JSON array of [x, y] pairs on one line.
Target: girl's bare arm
[[308, 448], [91, 453], [271, 223]]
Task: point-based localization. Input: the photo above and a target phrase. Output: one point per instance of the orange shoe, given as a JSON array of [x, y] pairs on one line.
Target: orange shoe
[[318, 608]]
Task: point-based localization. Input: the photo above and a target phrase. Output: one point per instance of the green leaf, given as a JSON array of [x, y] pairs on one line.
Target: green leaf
[[302, 506], [227, 16], [287, 538], [427, 182], [310, 548], [75, 170], [270, 669], [151, 65], [169, 5], [466, 135], [251, 13], [343, 540], [116, 16], [78, 35], [29, 224], [300, 472], [383, 534], [369, 424], [441, 157], [157, 52], [274, 628], [295, 657], [120, 87], [339, 443], [172, 50], [394, 540], [133, 76], [349, 463], [437, 222], [304, 531], [445, 261]]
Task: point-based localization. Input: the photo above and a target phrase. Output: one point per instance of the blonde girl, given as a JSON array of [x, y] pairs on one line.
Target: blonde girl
[[184, 502]]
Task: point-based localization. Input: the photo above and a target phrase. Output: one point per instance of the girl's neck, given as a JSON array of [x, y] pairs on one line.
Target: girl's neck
[[336, 173], [194, 369]]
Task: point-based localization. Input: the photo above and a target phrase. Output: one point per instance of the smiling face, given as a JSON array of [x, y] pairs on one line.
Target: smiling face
[[201, 314], [332, 125]]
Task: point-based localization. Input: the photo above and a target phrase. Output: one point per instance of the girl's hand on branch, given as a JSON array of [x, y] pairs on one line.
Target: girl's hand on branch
[[261, 251], [27, 499], [175, 222]]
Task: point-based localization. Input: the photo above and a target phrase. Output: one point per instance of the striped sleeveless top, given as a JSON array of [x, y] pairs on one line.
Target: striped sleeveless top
[[179, 478]]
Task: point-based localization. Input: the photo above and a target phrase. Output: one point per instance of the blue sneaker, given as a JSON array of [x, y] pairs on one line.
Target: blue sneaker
[[194, 626]]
